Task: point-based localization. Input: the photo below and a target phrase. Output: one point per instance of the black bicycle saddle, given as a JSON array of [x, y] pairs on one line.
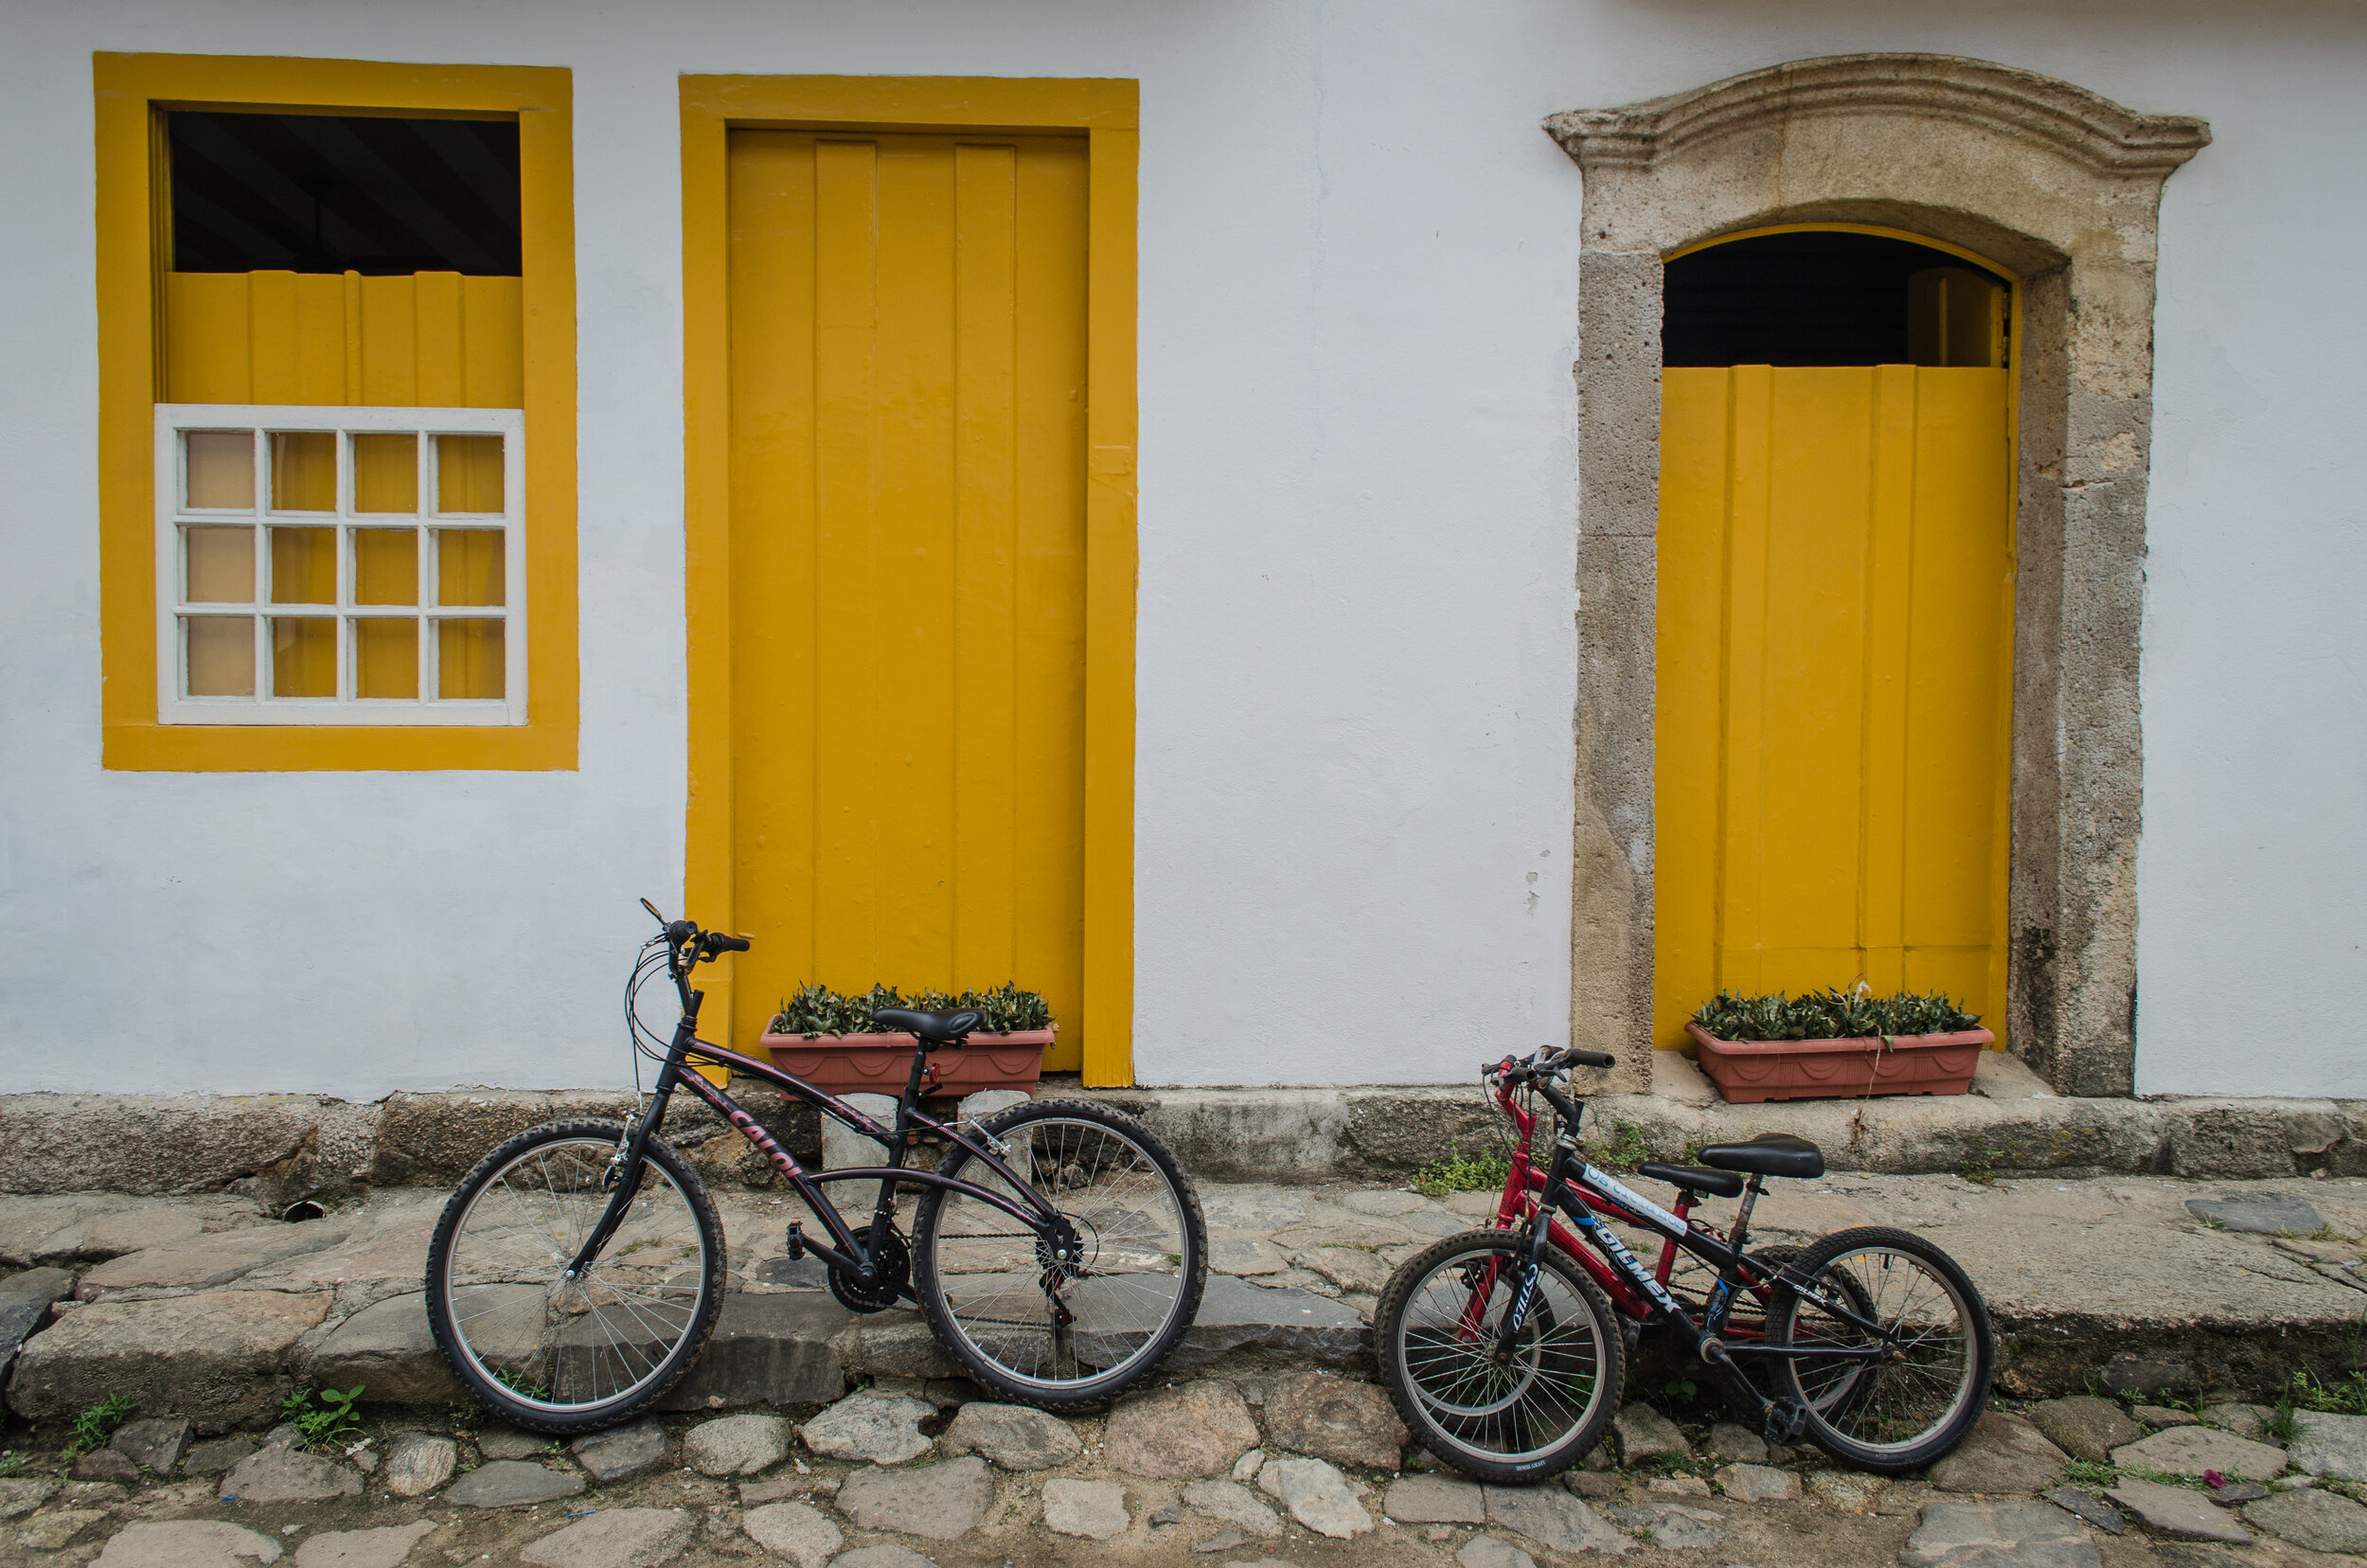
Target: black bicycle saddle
[[939, 1028], [1768, 1154]]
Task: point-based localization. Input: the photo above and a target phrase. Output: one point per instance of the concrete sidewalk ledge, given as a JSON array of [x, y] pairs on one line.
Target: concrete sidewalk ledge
[[280, 1148], [2011, 1124]]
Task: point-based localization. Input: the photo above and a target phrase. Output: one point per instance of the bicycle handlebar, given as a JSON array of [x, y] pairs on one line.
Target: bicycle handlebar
[[702, 945], [1545, 1060]]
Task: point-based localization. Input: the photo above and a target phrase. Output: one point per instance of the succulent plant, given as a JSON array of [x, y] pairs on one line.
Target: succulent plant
[[1854, 1014], [812, 1009]]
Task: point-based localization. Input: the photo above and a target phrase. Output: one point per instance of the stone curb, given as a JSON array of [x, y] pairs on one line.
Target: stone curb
[[282, 1148]]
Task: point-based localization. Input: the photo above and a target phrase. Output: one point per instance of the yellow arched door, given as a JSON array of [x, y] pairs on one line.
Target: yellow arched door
[[1835, 672]]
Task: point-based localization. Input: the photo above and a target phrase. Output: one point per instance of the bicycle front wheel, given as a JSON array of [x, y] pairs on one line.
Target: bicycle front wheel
[[1039, 1329], [1903, 1408], [552, 1353], [1515, 1417]]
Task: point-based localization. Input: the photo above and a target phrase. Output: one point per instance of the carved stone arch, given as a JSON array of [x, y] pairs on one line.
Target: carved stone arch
[[2048, 180]]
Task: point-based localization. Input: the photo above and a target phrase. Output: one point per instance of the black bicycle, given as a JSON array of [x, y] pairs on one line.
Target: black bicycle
[[1504, 1349], [1058, 1248]]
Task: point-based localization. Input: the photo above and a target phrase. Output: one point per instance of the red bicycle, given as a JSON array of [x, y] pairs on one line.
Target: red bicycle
[[1504, 1349]]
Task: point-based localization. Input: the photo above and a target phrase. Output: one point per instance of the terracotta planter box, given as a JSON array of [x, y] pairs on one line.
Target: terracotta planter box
[[877, 1063], [1749, 1071]]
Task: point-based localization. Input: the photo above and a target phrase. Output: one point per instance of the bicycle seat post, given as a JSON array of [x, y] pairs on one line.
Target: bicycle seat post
[[1741, 1234]]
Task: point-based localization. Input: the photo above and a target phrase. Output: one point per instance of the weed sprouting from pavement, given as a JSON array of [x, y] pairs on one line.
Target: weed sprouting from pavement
[[96, 1425]]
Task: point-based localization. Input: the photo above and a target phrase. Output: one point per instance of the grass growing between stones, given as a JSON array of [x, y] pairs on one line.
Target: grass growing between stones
[[1626, 1150], [324, 1417], [2090, 1474], [96, 1425], [2347, 1397], [1486, 1171]]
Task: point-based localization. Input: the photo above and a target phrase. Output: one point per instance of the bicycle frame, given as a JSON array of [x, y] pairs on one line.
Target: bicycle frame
[[1588, 1196], [844, 1250]]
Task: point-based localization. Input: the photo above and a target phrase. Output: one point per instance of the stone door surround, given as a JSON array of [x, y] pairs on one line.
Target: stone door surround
[[2049, 181]]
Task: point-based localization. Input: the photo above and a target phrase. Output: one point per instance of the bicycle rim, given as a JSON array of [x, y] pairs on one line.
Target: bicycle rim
[[1893, 1404], [1501, 1412], [1126, 1286], [564, 1346]]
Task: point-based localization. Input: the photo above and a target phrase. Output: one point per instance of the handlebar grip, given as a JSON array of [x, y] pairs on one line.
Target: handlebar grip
[[720, 943], [1590, 1059]]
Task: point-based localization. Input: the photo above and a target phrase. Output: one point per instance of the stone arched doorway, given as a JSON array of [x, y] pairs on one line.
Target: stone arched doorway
[[2061, 187]]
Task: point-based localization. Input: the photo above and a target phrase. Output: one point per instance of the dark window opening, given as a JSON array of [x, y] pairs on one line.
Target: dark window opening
[[1831, 299], [333, 193]]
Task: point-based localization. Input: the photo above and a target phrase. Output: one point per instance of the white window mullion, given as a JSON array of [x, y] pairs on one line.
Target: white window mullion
[[344, 616]]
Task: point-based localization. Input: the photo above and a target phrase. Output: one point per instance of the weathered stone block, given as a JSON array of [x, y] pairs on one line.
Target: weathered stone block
[[1293, 1326], [390, 1351], [1175, 1433], [767, 1349], [208, 1261], [1350, 1423], [221, 1356], [436, 1139], [87, 1143]]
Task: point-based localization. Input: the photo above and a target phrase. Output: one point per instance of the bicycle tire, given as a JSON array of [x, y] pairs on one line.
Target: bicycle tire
[[930, 1277], [1391, 1333], [487, 1386], [1866, 1393]]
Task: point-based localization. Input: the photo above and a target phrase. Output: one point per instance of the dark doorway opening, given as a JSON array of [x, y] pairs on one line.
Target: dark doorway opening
[[1831, 297]]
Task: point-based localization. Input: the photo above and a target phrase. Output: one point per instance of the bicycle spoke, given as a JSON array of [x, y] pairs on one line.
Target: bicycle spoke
[[1446, 1343], [995, 1282], [588, 1340], [1917, 1386]]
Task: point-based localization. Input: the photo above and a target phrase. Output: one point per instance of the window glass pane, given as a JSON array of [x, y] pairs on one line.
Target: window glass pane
[[385, 566], [468, 658], [469, 473], [304, 656], [303, 470], [386, 658], [469, 566], [304, 565], [221, 467], [386, 472], [221, 565], [222, 655]]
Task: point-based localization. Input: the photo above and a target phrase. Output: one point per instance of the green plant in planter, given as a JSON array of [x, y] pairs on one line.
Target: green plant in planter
[[812, 1009], [1829, 1014]]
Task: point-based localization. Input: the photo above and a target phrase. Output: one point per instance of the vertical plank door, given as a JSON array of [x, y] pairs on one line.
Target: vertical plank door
[[1835, 667], [907, 558]]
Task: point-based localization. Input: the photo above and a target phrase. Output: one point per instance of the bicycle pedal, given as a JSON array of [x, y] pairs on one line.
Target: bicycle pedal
[[1785, 1418], [796, 1239]]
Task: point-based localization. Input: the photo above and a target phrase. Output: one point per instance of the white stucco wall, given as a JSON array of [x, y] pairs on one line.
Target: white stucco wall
[[1355, 659]]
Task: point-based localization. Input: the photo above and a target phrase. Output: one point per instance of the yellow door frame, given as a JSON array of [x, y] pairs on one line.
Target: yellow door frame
[[2001, 882], [1105, 110]]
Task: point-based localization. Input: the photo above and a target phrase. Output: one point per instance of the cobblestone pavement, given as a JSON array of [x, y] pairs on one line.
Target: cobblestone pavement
[[1219, 1463]]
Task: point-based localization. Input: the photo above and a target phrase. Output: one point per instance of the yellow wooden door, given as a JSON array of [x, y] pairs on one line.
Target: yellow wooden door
[[1835, 672], [908, 564]]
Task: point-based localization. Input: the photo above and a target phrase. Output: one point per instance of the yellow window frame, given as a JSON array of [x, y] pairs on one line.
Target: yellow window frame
[[1107, 110], [131, 91]]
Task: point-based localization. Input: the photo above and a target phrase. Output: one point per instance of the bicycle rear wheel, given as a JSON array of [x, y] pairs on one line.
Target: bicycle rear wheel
[[1519, 1419], [1906, 1409], [1129, 1295], [554, 1354]]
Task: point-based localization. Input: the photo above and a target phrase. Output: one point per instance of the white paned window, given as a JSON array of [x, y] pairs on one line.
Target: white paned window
[[340, 566]]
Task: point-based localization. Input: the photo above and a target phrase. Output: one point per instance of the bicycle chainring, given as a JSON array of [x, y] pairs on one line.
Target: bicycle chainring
[[892, 1263]]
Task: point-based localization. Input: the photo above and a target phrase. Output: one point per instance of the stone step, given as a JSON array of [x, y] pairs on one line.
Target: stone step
[[279, 1147], [226, 1356]]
